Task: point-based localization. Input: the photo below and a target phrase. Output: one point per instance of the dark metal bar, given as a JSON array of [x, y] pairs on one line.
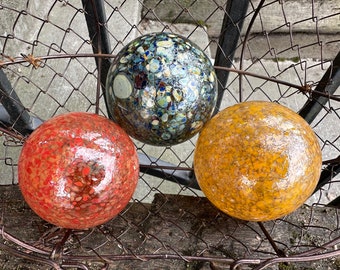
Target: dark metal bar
[[13, 113], [328, 84], [335, 203], [182, 177], [278, 251], [229, 37], [245, 41], [230, 33], [332, 169], [96, 23], [328, 173]]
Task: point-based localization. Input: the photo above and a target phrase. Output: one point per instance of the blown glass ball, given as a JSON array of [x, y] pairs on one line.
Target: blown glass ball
[[78, 170], [257, 161], [161, 89]]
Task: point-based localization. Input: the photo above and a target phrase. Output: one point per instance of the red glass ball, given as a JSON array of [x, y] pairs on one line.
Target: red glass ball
[[78, 170]]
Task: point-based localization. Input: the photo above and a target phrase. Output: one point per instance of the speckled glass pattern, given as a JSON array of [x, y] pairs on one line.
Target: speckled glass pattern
[[161, 88], [257, 160], [78, 170]]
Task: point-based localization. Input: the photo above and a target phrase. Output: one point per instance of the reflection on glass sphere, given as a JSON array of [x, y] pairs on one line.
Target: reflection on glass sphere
[[161, 89]]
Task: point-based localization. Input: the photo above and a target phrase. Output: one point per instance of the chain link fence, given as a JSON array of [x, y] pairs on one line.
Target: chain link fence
[[54, 55]]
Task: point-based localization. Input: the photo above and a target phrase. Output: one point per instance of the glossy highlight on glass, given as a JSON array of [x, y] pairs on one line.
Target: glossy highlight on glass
[[78, 170], [257, 160], [161, 88]]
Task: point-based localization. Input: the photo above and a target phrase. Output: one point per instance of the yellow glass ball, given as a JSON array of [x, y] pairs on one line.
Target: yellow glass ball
[[257, 161]]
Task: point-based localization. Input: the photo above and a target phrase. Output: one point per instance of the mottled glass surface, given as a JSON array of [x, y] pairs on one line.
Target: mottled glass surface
[[78, 170], [257, 161], [161, 89]]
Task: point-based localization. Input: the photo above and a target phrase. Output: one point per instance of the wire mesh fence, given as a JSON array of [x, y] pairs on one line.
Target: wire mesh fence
[[54, 55]]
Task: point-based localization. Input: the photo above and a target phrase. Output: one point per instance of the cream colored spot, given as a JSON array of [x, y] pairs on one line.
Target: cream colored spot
[[165, 43], [122, 87]]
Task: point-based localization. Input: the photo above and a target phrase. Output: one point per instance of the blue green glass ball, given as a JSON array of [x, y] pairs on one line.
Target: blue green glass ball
[[161, 89]]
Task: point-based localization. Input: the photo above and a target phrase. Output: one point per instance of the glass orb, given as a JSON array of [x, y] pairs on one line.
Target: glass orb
[[257, 161], [78, 170], [161, 89]]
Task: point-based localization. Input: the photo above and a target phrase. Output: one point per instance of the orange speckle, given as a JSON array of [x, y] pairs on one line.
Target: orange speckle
[[78, 184], [85, 171], [73, 161], [78, 141], [257, 160]]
